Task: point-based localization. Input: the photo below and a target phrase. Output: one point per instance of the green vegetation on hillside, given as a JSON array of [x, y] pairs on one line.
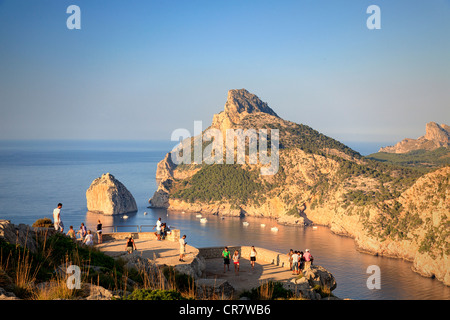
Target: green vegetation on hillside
[[293, 135], [219, 182], [416, 158], [391, 180]]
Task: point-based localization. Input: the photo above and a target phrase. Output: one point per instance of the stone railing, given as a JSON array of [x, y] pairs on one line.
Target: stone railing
[[265, 255], [173, 236]]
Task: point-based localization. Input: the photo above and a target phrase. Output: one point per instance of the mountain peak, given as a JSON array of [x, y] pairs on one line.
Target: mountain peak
[[239, 104], [437, 133], [240, 101], [436, 136]]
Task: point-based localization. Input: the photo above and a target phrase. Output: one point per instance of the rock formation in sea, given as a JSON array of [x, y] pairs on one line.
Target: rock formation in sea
[[109, 196], [389, 210], [436, 136]]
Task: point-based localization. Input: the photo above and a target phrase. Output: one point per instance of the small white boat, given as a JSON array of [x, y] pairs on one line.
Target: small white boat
[[245, 223], [125, 217], [182, 212], [262, 225], [274, 229], [145, 213], [198, 216], [314, 228], [203, 220]]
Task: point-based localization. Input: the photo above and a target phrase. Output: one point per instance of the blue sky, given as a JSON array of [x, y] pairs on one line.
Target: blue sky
[[141, 69]]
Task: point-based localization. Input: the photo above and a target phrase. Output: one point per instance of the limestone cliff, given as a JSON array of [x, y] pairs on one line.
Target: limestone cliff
[[388, 210], [109, 196], [436, 136]]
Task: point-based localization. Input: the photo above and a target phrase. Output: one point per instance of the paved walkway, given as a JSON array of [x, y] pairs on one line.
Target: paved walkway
[[167, 252], [161, 252], [246, 278]]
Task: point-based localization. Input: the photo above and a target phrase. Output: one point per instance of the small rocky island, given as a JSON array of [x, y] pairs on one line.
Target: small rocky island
[[109, 196]]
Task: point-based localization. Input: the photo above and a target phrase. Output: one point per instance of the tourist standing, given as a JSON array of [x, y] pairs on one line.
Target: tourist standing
[[308, 258], [57, 217], [236, 257], [182, 248], [82, 231], [253, 254], [158, 229], [290, 253], [295, 258], [99, 231], [301, 261], [226, 259]]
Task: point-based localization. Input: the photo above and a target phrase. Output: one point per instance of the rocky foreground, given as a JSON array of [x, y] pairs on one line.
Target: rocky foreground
[[317, 283]]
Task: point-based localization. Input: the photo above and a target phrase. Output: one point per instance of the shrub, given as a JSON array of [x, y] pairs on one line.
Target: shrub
[[268, 291], [43, 223], [157, 294]]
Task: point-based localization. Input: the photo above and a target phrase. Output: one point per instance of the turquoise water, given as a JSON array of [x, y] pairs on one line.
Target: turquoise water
[[35, 176]]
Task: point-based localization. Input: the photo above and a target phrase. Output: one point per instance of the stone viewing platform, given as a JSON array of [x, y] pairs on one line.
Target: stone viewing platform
[[206, 266]]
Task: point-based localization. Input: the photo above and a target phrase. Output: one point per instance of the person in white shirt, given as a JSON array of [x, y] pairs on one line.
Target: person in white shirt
[[182, 248], [89, 239], [295, 258], [158, 229], [57, 217]]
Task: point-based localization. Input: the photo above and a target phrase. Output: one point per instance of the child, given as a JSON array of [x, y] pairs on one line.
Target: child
[[236, 262]]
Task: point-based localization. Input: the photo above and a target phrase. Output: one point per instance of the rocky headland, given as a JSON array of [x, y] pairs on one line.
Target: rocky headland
[[389, 210], [436, 136]]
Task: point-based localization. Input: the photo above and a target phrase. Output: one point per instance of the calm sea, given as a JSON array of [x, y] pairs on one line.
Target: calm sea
[[36, 175]]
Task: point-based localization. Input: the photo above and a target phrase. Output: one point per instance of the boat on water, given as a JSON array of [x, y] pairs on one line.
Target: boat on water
[[203, 220], [274, 229], [262, 225], [245, 223], [125, 217], [198, 216]]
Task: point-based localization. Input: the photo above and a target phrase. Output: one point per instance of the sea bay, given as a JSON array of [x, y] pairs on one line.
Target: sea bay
[[36, 175]]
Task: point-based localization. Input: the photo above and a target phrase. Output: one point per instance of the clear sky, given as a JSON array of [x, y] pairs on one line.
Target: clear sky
[[141, 69]]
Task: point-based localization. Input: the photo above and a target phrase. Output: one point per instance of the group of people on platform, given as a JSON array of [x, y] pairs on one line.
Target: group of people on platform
[[83, 234], [161, 229], [298, 259], [226, 254]]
